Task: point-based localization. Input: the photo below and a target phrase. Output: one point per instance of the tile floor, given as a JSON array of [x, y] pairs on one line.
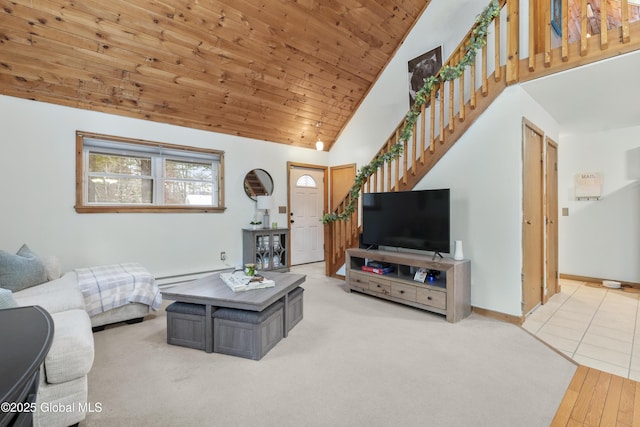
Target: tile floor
[[595, 326]]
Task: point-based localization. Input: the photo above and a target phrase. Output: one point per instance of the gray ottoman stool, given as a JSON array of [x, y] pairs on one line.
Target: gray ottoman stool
[[185, 325], [294, 311], [248, 334]]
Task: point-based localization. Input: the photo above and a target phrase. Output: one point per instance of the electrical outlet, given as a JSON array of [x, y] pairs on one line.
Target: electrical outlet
[[223, 256]]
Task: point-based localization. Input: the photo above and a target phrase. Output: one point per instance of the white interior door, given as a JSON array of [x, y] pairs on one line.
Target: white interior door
[[305, 216]]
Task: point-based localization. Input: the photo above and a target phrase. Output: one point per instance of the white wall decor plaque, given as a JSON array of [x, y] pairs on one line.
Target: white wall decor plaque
[[588, 186]]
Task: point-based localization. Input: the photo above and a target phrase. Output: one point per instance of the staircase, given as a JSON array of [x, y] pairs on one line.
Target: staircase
[[456, 104]]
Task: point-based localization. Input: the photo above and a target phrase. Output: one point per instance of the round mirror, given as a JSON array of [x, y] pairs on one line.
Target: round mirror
[[258, 182]]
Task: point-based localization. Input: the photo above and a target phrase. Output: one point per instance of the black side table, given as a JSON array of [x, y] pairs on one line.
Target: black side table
[[26, 334]]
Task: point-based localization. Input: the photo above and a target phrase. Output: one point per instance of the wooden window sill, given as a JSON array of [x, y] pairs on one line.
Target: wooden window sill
[[149, 209]]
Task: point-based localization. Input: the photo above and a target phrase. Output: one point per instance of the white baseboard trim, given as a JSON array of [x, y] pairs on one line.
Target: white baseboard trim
[[165, 282]]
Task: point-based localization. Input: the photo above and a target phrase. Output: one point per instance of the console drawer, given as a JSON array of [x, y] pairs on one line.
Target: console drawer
[[380, 286], [402, 291], [358, 280], [437, 299]]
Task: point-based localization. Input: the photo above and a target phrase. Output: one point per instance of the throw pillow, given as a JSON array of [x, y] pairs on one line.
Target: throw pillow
[[6, 299], [22, 270], [51, 266]]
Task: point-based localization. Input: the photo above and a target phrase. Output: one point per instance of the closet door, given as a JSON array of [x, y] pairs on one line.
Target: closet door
[[533, 218], [551, 207]]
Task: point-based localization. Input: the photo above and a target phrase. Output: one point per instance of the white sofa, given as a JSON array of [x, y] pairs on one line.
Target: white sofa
[[62, 394], [63, 376]]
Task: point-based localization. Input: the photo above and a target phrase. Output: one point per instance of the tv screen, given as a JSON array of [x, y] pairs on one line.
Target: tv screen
[[407, 219]]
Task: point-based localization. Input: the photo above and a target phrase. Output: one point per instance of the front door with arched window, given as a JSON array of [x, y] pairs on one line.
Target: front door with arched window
[[306, 209]]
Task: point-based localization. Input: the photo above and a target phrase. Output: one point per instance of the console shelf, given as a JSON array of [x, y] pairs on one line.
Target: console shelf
[[266, 248], [447, 294]]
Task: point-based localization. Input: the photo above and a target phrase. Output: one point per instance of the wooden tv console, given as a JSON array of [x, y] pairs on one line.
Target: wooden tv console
[[449, 294]]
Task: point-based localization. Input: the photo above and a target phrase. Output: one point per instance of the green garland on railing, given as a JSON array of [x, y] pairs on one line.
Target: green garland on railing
[[476, 42]]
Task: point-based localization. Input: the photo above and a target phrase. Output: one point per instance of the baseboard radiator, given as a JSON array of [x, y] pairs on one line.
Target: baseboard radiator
[[165, 282]]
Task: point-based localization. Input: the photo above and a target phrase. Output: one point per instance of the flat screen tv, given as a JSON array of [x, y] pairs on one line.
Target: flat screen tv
[[407, 219]]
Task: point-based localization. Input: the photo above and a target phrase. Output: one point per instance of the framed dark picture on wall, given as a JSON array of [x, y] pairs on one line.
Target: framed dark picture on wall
[[556, 16], [425, 65]]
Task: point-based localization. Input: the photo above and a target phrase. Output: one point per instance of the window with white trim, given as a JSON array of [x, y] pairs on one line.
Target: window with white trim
[[125, 175]]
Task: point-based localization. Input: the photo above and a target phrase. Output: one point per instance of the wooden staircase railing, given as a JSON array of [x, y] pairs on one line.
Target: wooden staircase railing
[[456, 104]]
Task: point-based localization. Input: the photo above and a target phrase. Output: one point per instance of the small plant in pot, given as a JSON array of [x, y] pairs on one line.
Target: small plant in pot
[[255, 224]]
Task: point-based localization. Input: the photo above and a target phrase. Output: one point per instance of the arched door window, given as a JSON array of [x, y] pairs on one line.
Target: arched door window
[[306, 181]]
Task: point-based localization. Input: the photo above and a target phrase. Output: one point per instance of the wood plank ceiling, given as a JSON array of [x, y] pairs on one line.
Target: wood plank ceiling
[[286, 71]]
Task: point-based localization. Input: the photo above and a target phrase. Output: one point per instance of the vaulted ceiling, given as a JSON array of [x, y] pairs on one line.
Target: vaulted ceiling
[[286, 71]]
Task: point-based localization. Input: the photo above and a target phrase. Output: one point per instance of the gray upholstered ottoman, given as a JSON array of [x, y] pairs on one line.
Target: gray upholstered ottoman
[[249, 334], [294, 310], [185, 325]]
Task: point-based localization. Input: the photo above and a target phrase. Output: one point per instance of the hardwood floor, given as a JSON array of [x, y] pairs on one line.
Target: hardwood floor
[[596, 398]]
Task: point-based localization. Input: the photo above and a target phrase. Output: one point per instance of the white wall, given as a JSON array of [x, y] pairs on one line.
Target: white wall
[[601, 239], [37, 192], [483, 169], [484, 172], [444, 24]]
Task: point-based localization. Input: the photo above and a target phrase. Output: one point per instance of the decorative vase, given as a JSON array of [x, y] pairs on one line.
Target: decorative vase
[[457, 251]]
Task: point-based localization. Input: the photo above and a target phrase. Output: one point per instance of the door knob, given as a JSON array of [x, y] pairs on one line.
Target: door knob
[[292, 221], [528, 221]]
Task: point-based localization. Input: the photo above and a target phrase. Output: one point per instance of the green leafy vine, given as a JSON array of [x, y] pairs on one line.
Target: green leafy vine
[[447, 73]]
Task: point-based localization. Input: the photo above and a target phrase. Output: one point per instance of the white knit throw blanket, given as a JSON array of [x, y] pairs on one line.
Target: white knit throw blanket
[[111, 286]]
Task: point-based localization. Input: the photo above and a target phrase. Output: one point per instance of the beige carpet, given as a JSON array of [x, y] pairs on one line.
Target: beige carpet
[[353, 360]]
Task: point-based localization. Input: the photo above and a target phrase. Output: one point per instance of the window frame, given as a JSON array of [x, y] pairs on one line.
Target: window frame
[[185, 153]]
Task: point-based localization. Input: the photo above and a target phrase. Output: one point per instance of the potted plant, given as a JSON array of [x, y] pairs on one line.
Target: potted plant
[[255, 224]]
